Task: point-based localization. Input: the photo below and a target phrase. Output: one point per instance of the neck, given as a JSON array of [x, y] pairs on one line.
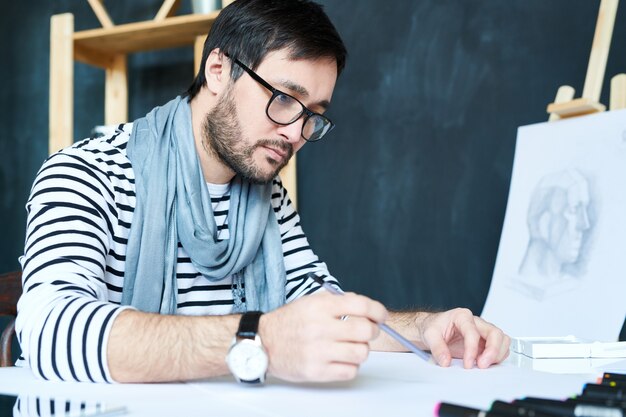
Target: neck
[[213, 169], [546, 263]]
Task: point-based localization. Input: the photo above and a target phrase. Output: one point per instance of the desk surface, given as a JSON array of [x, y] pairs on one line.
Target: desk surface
[[387, 383]]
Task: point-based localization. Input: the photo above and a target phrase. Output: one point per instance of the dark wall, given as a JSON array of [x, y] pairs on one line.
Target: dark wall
[[155, 77], [405, 200]]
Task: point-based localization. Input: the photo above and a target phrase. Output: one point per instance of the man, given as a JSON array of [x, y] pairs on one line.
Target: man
[[557, 223], [143, 248]]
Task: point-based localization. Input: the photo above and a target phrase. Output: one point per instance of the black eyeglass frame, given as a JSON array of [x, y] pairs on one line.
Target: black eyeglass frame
[[276, 92]]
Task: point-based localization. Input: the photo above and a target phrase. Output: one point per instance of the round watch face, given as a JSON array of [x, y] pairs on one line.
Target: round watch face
[[247, 360]]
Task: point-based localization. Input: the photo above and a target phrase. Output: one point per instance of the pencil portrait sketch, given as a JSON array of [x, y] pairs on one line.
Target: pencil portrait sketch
[[558, 221], [564, 232]]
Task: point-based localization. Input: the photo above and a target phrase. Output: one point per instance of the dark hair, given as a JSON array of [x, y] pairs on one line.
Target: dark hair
[[250, 29]]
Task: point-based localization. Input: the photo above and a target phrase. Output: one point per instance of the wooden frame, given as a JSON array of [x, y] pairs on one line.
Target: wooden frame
[[565, 105]]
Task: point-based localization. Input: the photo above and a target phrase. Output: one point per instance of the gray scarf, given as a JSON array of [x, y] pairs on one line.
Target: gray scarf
[[173, 204]]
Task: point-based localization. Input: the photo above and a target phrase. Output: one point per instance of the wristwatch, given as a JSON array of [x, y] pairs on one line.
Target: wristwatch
[[247, 359]]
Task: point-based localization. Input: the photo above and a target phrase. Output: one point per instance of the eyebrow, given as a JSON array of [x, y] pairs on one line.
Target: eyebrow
[[302, 92]]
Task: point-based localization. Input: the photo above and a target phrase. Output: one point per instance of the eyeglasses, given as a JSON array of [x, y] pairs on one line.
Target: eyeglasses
[[284, 109]]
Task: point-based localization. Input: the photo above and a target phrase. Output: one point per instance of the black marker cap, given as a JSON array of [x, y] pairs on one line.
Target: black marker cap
[[614, 377], [454, 410], [617, 383]]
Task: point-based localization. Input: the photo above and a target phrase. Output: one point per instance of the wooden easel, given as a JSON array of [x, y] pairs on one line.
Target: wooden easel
[[565, 105]]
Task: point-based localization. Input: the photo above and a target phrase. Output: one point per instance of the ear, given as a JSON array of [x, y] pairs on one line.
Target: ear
[[544, 225], [217, 71]]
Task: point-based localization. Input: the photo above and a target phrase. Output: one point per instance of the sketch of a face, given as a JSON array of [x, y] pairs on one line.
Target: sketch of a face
[[557, 221]]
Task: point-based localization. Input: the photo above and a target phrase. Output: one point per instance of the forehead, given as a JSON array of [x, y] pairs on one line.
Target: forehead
[[316, 76], [578, 193]]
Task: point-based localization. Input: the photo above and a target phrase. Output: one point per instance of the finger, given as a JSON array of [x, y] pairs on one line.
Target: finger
[[506, 349], [466, 326], [337, 371], [323, 371], [356, 329], [496, 344], [352, 304], [439, 349], [348, 352]]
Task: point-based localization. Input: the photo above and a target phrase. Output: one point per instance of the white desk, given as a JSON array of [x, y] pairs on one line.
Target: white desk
[[388, 383]]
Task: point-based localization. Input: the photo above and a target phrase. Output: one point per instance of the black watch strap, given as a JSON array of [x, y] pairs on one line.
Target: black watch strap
[[256, 381], [249, 324]]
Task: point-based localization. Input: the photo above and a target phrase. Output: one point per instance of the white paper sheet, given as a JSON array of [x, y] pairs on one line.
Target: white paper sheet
[[561, 265], [387, 384], [399, 384]]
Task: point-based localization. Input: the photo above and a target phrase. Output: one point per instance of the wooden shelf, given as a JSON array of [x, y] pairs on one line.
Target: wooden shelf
[[98, 46], [108, 48]]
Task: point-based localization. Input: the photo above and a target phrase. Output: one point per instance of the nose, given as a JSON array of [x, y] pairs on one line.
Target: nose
[[292, 132], [583, 220]]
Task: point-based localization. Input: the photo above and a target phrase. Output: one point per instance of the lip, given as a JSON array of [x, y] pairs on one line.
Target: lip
[[276, 153]]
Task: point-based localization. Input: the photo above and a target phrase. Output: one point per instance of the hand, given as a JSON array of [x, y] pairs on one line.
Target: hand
[[306, 340], [458, 333]]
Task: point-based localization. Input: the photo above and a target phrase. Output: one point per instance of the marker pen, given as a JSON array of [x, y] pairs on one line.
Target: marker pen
[[517, 410], [453, 410], [604, 391], [597, 401], [565, 409]]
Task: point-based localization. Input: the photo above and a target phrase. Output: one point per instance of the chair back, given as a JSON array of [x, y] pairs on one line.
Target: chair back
[[10, 292]]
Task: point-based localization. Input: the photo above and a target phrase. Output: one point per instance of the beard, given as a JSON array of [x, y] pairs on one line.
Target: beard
[[222, 138]]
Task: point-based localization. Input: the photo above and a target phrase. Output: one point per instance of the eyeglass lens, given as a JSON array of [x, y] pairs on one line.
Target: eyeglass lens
[[284, 109]]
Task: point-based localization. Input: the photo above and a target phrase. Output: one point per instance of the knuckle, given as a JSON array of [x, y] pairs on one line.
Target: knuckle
[[347, 373], [311, 370], [499, 332], [364, 330], [373, 331], [359, 303], [361, 352], [349, 298], [314, 332], [507, 341], [464, 311], [381, 308]]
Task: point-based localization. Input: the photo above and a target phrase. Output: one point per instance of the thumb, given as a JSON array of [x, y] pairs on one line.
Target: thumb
[[440, 351]]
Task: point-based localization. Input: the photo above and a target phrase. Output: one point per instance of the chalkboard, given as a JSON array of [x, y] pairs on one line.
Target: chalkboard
[[405, 200]]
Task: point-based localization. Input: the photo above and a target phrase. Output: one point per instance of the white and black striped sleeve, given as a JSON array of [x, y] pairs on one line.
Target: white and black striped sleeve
[[64, 316], [299, 257]]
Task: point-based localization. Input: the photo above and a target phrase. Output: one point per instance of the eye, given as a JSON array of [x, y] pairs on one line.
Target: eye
[[284, 99], [573, 210]]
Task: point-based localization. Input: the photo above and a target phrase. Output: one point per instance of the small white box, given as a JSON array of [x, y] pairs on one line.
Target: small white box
[[567, 347]]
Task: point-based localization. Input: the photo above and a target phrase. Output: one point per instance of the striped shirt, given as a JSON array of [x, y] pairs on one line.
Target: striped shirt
[[79, 215]]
